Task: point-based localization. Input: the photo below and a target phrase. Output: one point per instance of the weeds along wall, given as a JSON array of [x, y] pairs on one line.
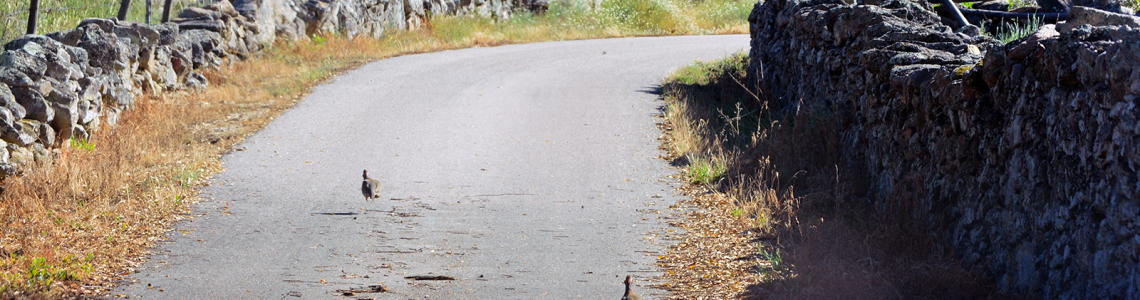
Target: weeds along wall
[[66, 85], [1022, 158]]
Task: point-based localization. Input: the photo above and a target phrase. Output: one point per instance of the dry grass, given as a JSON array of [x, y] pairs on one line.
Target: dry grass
[[75, 224], [786, 219]]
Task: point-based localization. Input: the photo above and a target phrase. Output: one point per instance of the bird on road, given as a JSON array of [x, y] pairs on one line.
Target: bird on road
[[629, 295], [370, 187]]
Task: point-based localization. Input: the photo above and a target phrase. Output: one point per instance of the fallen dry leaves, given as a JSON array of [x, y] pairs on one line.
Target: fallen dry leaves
[[715, 256]]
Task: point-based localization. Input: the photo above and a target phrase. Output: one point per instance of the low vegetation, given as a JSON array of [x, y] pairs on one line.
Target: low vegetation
[[78, 223], [779, 221], [1013, 30], [57, 15]]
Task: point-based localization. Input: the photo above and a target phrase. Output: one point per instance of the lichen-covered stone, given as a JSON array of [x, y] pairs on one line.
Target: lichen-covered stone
[[34, 104]]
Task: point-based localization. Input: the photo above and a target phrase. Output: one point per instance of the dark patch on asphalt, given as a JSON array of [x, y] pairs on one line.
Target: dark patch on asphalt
[[429, 277], [362, 290]]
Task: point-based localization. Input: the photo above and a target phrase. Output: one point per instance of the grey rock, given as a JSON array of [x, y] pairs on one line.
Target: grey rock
[[203, 24], [21, 155], [167, 33], [111, 115], [7, 169], [195, 44], [40, 153], [150, 35], [224, 7], [13, 109], [79, 133], [247, 8], [65, 119], [78, 55], [119, 96], [1033, 42], [86, 112], [196, 81], [105, 51], [199, 13], [34, 104], [8, 124], [46, 134], [30, 128], [68, 37], [1080, 15], [31, 64], [14, 78], [65, 105], [106, 25]]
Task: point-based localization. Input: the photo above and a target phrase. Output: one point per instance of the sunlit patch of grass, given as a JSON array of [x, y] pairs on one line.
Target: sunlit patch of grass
[[704, 72], [703, 170], [81, 144]]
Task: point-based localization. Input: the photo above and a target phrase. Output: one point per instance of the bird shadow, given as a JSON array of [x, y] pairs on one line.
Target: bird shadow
[[338, 213]]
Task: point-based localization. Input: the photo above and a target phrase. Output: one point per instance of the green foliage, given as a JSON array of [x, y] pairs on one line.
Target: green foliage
[[57, 15], [319, 40], [1011, 31], [775, 260], [702, 72], [82, 144], [41, 274], [187, 176], [704, 170]]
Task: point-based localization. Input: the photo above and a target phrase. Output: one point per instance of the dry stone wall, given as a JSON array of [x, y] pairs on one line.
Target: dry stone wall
[[1021, 157], [70, 84]]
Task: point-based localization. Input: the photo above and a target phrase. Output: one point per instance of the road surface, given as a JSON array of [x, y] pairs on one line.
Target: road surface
[[522, 171]]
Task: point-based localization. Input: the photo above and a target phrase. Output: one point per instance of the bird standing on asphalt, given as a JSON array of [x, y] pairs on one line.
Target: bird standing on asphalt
[[370, 187], [629, 295]]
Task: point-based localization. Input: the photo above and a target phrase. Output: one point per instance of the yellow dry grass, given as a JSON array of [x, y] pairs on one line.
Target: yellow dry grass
[[75, 224]]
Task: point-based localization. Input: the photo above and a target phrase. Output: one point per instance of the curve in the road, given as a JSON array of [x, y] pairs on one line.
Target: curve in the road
[[523, 171]]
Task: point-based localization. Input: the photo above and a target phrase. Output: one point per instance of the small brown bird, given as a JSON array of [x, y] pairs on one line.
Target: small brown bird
[[370, 187], [629, 295]]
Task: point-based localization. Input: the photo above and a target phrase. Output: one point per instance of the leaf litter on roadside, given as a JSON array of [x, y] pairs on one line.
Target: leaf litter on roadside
[[715, 255]]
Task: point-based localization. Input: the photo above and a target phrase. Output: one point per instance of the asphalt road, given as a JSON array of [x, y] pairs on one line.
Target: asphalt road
[[523, 171]]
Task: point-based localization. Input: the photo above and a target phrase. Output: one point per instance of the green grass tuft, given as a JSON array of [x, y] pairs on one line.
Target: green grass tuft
[[1011, 31], [704, 170]]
